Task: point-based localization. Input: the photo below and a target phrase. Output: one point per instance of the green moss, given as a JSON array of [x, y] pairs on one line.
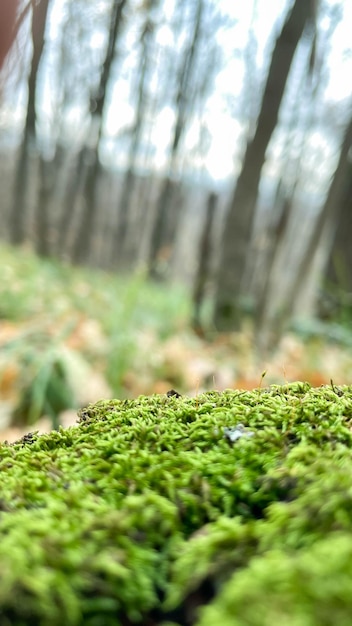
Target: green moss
[[146, 510], [309, 588]]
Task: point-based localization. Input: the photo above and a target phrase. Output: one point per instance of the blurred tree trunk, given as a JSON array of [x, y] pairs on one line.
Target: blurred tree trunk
[[72, 190], [163, 232], [304, 115], [17, 217], [339, 270], [159, 250], [46, 176], [54, 157], [145, 201], [88, 157], [7, 27], [204, 261], [120, 244], [82, 245], [276, 242], [238, 225], [338, 276], [326, 223], [49, 180]]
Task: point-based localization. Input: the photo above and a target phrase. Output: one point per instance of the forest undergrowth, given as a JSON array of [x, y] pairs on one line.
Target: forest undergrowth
[[70, 336]]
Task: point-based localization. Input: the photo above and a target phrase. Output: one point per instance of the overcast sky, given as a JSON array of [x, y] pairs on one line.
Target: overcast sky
[[227, 131], [221, 118], [265, 18]]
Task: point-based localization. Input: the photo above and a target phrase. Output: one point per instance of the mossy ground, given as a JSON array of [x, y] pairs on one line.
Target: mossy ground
[[146, 511]]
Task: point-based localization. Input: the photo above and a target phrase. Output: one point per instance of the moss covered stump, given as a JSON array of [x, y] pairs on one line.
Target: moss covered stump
[[231, 508]]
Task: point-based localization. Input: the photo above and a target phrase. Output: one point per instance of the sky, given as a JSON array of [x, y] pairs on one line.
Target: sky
[[225, 129], [225, 126]]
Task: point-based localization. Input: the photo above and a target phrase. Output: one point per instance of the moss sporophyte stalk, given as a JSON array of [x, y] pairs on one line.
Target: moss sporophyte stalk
[[230, 508]]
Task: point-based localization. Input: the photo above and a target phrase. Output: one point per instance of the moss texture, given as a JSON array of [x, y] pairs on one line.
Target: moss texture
[[150, 511]]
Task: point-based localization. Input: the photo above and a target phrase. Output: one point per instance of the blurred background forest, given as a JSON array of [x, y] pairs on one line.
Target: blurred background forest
[[176, 191]]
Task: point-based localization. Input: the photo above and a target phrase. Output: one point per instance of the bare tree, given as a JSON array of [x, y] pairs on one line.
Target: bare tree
[[303, 115], [89, 155], [326, 223], [163, 229], [146, 59], [338, 277], [17, 217], [204, 260], [238, 226]]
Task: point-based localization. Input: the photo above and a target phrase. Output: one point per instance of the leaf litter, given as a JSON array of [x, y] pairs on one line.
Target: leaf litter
[[144, 346]]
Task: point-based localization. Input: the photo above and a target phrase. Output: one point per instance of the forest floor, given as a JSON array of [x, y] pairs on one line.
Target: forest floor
[[69, 337]]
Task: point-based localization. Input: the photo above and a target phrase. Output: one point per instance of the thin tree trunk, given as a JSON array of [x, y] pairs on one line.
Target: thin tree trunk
[[160, 237], [238, 225], [276, 241], [204, 260], [72, 191], [17, 217], [123, 215], [156, 249], [83, 240], [326, 221], [83, 243], [46, 175], [339, 267], [50, 177], [120, 243]]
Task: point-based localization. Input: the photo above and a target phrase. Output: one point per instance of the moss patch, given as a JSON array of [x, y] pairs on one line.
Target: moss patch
[[149, 509]]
